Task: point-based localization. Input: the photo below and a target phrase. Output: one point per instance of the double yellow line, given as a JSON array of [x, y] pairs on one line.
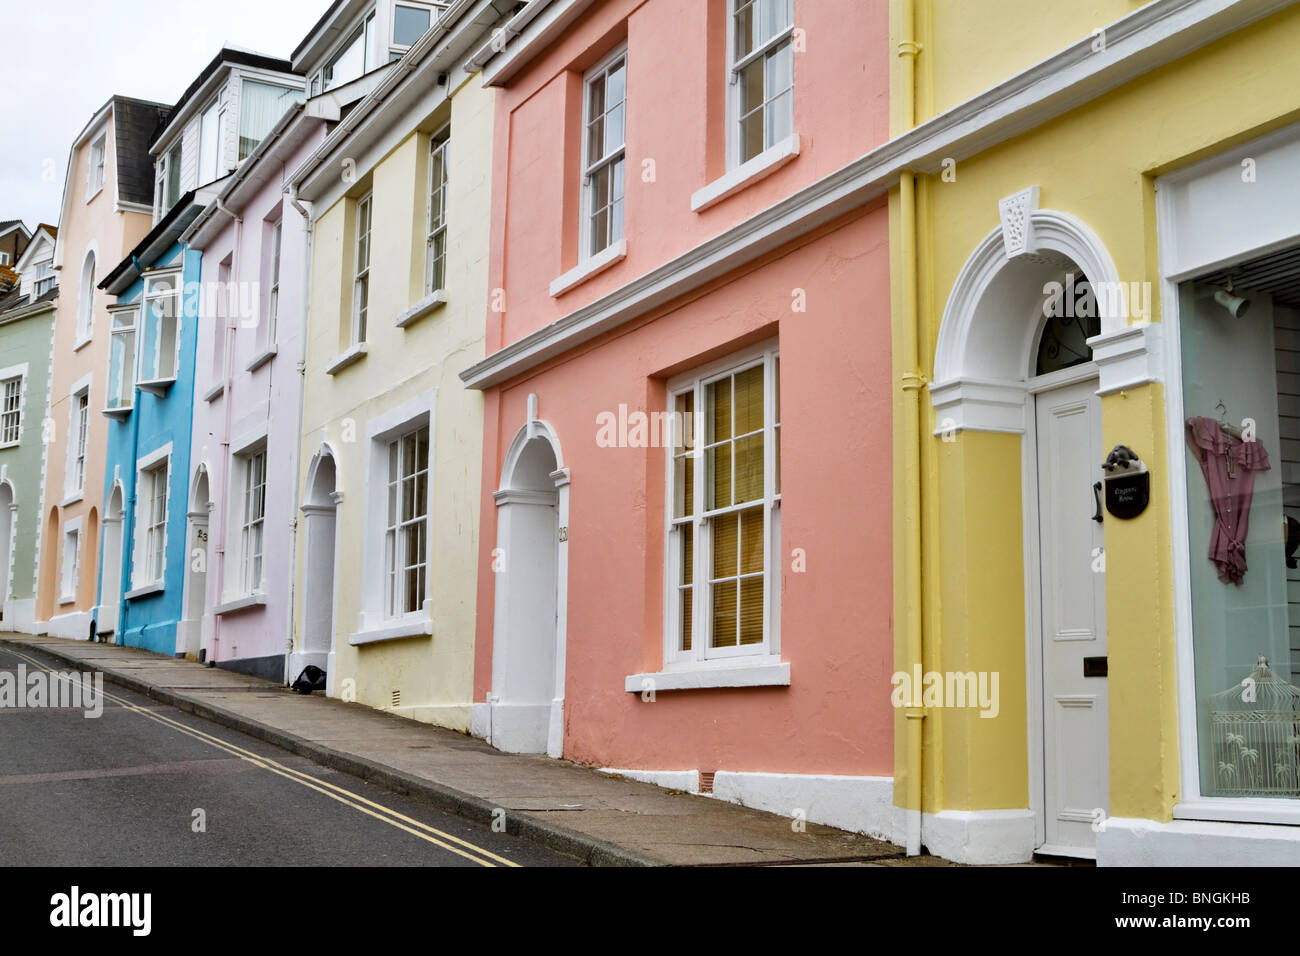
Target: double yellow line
[[439, 838]]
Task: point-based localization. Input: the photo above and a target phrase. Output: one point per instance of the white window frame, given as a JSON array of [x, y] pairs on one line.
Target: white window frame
[[86, 297], [15, 373], [97, 165], [735, 141], [396, 561], [146, 296], [362, 30], [45, 279], [373, 623], [70, 562], [273, 297], [251, 526], [4, 258], [149, 532], [132, 313], [439, 143], [216, 107], [702, 654], [435, 11], [586, 244], [78, 440], [360, 320]]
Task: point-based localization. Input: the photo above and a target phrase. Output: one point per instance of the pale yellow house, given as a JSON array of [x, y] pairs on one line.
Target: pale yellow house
[[391, 441], [1096, 243]]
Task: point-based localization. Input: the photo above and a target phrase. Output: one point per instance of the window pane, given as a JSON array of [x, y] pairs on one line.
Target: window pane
[[751, 541], [617, 88], [719, 411], [409, 24], [749, 400], [751, 611], [724, 614], [614, 129], [749, 468], [746, 28], [684, 479], [687, 598], [260, 109], [726, 545], [718, 462]]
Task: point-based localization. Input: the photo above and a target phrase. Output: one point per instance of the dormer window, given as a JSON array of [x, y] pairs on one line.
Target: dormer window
[[212, 140], [167, 184], [354, 58], [261, 106]]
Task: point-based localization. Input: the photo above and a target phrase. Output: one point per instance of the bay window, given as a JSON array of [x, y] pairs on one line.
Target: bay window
[[724, 511], [121, 360], [160, 338]]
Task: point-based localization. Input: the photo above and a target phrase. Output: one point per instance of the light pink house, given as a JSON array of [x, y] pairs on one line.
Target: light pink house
[[248, 395], [687, 456]]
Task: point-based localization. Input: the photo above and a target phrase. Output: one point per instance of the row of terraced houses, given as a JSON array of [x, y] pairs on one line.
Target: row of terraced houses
[[799, 402]]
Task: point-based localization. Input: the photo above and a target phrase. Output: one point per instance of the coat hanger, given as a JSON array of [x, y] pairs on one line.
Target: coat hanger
[[1224, 427]]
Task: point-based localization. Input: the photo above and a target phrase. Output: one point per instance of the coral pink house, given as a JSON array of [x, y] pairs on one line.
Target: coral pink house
[[700, 599]]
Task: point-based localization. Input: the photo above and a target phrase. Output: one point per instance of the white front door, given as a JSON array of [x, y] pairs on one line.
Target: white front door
[[1076, 771]]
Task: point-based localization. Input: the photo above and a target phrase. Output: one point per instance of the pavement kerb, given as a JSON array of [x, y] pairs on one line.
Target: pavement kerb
[[560, 839]]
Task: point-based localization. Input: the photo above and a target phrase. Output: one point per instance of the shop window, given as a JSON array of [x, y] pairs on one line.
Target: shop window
[[1240, 347]]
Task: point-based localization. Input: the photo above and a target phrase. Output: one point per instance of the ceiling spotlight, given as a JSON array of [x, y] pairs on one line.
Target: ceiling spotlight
[[1235, 304]]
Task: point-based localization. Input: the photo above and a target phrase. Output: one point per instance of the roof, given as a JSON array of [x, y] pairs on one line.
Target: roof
[[136, 123], [16, 300], [52, 230], [227, 56]]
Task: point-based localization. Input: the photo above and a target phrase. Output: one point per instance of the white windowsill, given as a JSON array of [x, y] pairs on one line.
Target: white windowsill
[[1259, 810], [215, 392], [91, 197], [122, 411], [73, 498], [352, 355], [394, 632], [588, 268], [261, 358], [81, 343], [9, 444], [145, 591], [428, 304], [765, 672], [240, 604], [157, 386], [67, 599], [744, 176]]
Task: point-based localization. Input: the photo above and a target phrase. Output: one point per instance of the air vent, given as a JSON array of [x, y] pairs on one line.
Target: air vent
[[706, 781], [397, 698]]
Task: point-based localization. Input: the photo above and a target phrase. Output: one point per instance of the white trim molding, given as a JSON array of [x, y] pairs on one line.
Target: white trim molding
[[1155, 34], [991, 322], [988, 837], [745, 673], [743, 176], [1136, 842], [590, 267]]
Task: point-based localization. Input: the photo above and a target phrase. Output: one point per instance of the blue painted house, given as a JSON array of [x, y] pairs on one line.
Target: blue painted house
[[151, 405], [149, 566]]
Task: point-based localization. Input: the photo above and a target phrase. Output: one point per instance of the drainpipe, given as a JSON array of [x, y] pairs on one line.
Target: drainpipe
[[128, 507], [308, 239], [911, 383], [228, 410]]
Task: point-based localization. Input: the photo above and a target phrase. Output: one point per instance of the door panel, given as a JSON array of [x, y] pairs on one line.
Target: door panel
[[1073, 608]]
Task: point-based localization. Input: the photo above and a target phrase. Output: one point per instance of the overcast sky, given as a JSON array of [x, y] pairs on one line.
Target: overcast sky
[[64, 58]]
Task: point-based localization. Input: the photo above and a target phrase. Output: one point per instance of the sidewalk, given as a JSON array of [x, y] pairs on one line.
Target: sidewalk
[[570, 809]]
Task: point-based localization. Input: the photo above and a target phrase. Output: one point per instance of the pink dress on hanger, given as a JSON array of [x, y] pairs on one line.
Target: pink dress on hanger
[[1229, 465]]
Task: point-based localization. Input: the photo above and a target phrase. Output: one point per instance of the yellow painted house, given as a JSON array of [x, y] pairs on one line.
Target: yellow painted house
[[400, 201], [1096, 243]]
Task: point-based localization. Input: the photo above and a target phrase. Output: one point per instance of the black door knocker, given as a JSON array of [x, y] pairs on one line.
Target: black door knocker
[[1127, 483]]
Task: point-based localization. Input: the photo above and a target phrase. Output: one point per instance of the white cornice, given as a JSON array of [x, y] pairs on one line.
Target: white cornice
[[1156, 34]]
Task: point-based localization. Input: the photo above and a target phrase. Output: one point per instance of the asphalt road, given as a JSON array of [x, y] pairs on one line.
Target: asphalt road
[[131, 788]]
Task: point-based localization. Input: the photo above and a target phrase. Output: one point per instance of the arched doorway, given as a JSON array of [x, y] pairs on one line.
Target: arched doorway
[[1033, 316], [110, 581], [319, 544], [8, 522], [49, 567], [526, 712], [189, 635]]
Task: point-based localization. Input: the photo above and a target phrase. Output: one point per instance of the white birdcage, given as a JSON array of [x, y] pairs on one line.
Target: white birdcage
[[1255, 731]]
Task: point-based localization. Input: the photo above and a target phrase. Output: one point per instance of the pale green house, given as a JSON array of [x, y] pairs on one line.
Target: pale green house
[[27, 311]]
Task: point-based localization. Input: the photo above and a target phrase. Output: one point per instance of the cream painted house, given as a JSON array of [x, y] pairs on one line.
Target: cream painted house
[[391, 441]]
